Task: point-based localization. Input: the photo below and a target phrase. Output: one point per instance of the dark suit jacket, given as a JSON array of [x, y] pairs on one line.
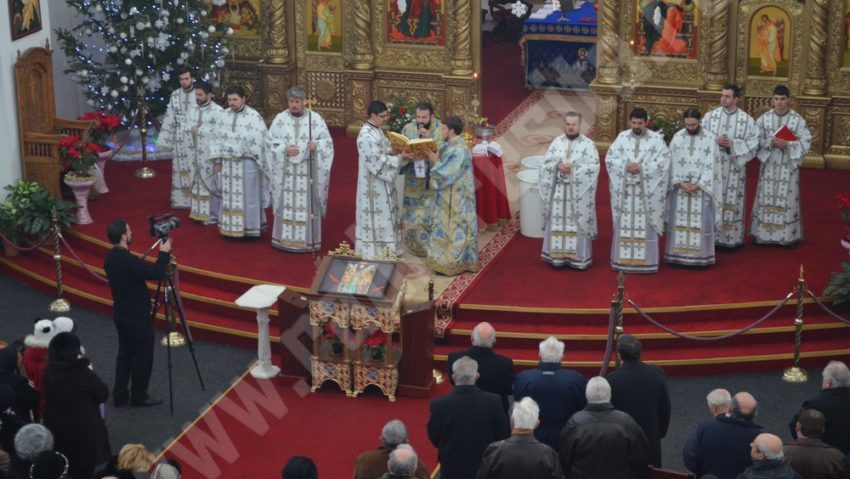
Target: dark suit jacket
[[496, 371], [462, 424], [720, 446], [834, 403], [520, 456], [127, 274], [640, 390], [559, 392]]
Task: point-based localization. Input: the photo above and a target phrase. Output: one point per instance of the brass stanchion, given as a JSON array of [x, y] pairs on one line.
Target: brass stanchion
[[617, 303], [796, 374], [58, 305], [145, 172]]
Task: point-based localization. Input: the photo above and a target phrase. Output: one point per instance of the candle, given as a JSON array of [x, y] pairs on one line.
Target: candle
[[475, 76]]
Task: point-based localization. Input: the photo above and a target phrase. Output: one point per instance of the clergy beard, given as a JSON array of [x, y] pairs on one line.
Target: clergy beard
[[572, 137], [296, 115], [638, 131], [240, 110], [694, 132], [202, 105]]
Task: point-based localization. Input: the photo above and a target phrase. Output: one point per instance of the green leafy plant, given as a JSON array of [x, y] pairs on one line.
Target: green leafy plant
[[8, 223], [839, 285], [401, 113], [664, 126], [32, 208]]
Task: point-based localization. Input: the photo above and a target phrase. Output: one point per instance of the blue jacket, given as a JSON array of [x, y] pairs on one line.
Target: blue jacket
[[720, 446], [559, 393]]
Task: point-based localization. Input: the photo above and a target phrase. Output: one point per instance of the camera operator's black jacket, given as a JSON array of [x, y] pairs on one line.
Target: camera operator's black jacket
[[127, 274]]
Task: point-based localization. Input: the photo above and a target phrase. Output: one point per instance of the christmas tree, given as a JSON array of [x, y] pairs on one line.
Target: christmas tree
[[126, 47]]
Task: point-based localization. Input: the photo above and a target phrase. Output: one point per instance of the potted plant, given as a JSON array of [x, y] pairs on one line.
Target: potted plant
[[330, 334], [401, 113], [102, 134], [665, 127], [9, 228], [375, 345], [32, 207], [80, 156], [839, 283]]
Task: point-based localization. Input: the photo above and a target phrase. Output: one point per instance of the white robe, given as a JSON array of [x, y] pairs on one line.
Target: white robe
[[569, 202], [238, 147], [692, 218], [743, 133], [176, 134], [777, 218], [378, 222], [637, 200], [206, 186], [299, 183]]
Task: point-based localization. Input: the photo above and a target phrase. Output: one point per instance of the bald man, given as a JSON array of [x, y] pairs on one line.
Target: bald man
[[720, 446], [768, 460], [496, 371]]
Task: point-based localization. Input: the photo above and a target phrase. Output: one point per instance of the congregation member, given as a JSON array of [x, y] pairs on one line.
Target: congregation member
[[600, 441], [378, 224], [299, 467], [784, 141], [35, 357], [417, 194], [696, 188], [463, 423], [811, 457], [402, 463], [30, 441], [237, 150], [373, 464], [25, 398], [452, 246], [299, 155], [737, 138], [638, 164], [176, 134], [719, 402], [768, 460], [640, 390], [496, 372], [720, 446], [834, 402], [10, 423], [559, 392], [206, 185], [521, 455], [568, 180]]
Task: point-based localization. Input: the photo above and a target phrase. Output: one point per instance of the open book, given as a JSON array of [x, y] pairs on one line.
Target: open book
[[418, 146]]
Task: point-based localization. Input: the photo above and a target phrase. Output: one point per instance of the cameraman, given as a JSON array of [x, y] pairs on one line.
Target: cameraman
[[132, 313]]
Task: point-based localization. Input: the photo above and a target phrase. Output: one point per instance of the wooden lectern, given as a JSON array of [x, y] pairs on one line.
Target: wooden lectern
[[416, 378], [294, 326]]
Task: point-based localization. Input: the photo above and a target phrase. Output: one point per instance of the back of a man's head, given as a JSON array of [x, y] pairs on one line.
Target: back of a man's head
[[629, 348], [403, 461], [299, 467], [465, 371], [394, 433], [484, 335], [811, 423], [551, 350], [767, 446], [598, 391], [525, 414], [836, 375], [719, 401], [744, 406]]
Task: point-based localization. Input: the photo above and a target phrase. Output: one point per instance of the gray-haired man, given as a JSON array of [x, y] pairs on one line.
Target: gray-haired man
[[373, 464]]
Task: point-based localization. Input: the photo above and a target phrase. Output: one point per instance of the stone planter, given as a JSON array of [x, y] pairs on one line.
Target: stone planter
[[100, 182], [81, 186]]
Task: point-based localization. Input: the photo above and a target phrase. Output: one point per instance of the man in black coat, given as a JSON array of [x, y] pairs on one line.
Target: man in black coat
[[721, 446], [640, 390], [132, 313], [600, 441], [464, 422], [834, 402], [496, 371]]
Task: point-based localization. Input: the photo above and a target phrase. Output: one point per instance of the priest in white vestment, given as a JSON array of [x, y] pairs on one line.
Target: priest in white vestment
[[299, 154], [176, 134], [237, 148], [694, 197], [206, 187], [417, 196], [378, 228], [568, 180], [777, 218], [638, 164], [737, 138]]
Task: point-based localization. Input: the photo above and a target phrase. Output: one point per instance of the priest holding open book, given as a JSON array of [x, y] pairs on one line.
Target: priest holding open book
[[784, 141]]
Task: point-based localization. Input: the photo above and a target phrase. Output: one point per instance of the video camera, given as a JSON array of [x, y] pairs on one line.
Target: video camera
[[160, 226]]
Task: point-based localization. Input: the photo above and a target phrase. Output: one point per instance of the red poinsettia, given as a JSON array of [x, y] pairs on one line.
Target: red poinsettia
[[77, 155], [104, 126], [329, 333], [844, 205]]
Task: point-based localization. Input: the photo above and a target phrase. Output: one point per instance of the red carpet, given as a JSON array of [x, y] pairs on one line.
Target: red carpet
[[257, 426], [502, 79]]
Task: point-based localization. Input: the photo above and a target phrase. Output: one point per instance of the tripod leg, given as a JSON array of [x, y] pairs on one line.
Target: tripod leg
[[170, 322], [178, 306]]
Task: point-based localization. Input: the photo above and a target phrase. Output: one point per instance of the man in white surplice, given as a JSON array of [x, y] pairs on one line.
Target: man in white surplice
[[237, 149], [776, 212], [206, 187], [299, 154], [378, 222], [694, 196], [568, 179], [737, 137], [638, 164], [176, 134]]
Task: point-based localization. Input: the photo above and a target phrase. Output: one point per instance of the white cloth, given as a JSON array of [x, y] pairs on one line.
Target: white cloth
[[238, 147], [569, 201], [378, 222], [299, 183], [741, 130], [176, 133], [776, 215], [691, 218], [637, 200], [206, 185]]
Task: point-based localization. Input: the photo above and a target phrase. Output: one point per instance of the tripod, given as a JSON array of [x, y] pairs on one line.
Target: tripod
[[168, 295]]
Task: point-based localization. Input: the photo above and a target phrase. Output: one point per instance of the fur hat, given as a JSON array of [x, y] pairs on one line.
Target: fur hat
[[31, 440], [43, 332], [63, 324]]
